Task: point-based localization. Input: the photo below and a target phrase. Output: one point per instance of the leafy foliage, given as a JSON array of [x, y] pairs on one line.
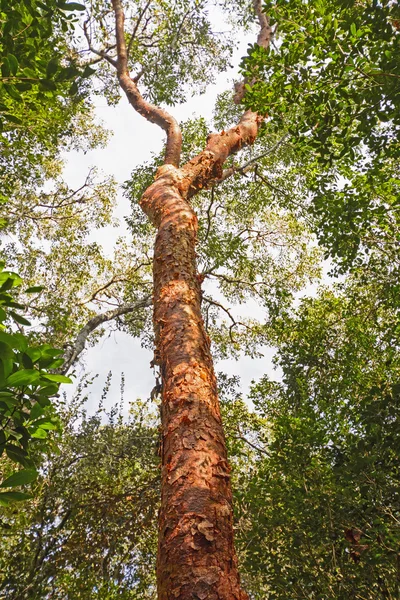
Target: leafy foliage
[[332, 80], [319, 510], [91, 533], [26, 386], [172, 47]]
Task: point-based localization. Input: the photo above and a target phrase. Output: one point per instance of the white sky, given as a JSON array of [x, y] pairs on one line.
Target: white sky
[[132, 142]]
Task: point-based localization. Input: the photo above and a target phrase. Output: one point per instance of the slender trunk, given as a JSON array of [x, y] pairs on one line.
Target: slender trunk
[[196, 556]]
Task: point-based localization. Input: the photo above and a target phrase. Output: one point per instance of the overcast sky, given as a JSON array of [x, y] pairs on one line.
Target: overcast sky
[[132, 142]]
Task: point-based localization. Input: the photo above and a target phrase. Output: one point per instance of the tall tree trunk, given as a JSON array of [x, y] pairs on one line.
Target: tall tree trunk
[[196, 556]]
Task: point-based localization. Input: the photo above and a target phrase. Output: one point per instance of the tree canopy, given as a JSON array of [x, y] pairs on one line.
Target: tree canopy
[[279, 230]]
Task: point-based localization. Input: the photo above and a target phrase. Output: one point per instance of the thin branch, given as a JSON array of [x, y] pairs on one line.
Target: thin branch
[[101, 53], [244, 439], [78, 346], [247, 166], [227, 311], [134, 32]]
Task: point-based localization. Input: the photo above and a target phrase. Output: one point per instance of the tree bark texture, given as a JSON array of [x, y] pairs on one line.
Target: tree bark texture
[[196, 555]]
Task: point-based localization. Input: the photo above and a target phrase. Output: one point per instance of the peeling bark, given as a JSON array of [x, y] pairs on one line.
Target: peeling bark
[[196, 555]]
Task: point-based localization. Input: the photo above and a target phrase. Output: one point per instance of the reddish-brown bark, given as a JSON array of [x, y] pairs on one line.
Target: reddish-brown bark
[[196, 556]]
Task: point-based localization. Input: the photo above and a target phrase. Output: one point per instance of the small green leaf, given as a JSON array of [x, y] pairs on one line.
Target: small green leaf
[[36, 411], [44, 423], [13, 62], [72, 6], [52, 67], [56, 378], [12, 119], [7, 285], [20, 478], [40, 434], [35, 289], [17, 454], [18, 319], [7, 498], [27, 361], [12, 92], [73, 89], [88, 71], [47, 84]]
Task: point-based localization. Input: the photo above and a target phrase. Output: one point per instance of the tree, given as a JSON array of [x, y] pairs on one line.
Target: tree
[[195, 553], [26, 386], [155, 41], [195, 506], [319, 508]]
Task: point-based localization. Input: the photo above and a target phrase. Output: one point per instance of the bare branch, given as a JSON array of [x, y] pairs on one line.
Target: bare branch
[[244, 439], [247, 166], [101, 53], [73, 353]]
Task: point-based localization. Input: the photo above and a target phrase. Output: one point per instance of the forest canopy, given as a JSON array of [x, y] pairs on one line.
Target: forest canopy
[[270, 225]]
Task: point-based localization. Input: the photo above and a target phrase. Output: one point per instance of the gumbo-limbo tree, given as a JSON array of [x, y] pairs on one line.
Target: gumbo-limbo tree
[[319, 104], [196, 556], [338, 105]]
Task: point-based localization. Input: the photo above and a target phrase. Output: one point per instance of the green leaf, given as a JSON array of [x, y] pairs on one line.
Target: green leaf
[[12, 119], [45, 423], [13, 62], [70, 6], [18, 319], [73, 89], [35, 289], [12, 92], [21, 477], [36, 411], [88, 71], [40, 434], [48, 390], [52, 67], [27, 361], [7, 285], [17, 454], [7, 498], [5, 67], [6, 350], [56, 378], [48, 84], [23, 377]]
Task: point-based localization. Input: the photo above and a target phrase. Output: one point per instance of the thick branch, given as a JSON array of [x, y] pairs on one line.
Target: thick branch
[[152, 113], [207, 165], [73, 353], [264, 38]]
